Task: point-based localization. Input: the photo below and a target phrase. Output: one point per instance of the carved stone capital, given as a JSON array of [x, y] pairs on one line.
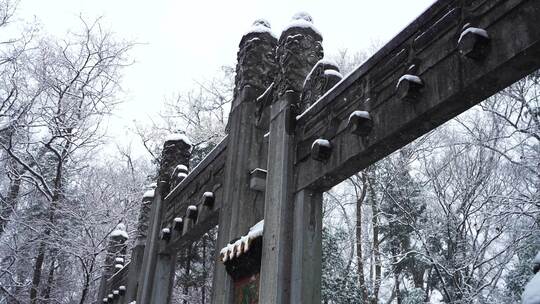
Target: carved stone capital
[[299, 49], [256, 67]]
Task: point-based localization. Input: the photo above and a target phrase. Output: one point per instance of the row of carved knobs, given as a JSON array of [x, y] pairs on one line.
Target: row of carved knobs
[[473, 43], [115, 294], [192, 214]]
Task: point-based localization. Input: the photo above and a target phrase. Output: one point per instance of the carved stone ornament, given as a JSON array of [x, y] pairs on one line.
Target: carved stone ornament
[[299, 49], [324, 75], [256, 65], [176, 151]]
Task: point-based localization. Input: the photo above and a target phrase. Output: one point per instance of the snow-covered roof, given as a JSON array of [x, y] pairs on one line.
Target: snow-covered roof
[[208, 194], [242, 245], [120, 230]]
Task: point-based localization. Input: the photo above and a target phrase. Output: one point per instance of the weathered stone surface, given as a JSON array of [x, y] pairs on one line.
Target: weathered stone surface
[[256, 65], [323, 76], [299, 49], [175, 152]]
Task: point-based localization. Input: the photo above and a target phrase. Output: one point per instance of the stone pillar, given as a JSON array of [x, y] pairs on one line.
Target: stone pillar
[[157, 269], [298, 51], [137, 254], [176, 151], [116, 248], [243, 206]]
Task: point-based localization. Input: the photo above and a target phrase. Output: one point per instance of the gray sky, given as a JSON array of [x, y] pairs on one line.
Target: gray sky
[[190, 40]]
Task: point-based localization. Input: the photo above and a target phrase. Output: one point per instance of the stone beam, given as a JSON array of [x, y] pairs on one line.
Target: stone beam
[[207, 177], [452, 57]]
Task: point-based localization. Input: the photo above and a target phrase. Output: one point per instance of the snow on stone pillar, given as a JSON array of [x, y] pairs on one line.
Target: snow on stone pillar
[[241, 206], [144, 216], [116, 250], [256, 67], [176, 151], [115, 256], [299, 49], [531, 294]]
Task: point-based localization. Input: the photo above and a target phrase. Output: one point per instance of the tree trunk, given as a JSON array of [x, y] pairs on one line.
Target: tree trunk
[[11, 202], [359, 258], [38, 266], [50, 280], [376, 251]]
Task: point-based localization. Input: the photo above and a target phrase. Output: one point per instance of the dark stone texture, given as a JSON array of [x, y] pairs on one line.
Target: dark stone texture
[[321, 151], [299, 49], [473, 45], [144, 220], [249, 263], [256, 65], [175, 152], [318, 82], [360, 125]]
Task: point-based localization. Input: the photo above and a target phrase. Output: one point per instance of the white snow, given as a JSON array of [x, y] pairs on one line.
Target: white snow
[[105, 300], [321, 142], [120, 230], [178, 220], [302, 24], [531, 294], [178, 137], [333, 72], [208, 194], [122, 288], [361, 114], [192, 208], [409, 77], [148, 194], [166, 230], [537, 258], [261, 26], [5, 123], [116, 292], [182, 175], [182, 168], [326, 61], [241, 246], [302, 16], [119, 260], [118, 266], [257, 230], [257, 170], [475, 30]]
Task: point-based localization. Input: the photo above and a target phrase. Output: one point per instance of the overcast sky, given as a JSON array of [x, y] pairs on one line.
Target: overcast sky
[[190, 40]]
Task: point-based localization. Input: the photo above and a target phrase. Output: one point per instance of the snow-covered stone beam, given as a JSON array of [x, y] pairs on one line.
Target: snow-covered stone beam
[[442, 64]]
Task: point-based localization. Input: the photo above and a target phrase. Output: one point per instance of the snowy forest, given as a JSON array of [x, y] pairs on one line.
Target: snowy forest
[[453, 217]]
